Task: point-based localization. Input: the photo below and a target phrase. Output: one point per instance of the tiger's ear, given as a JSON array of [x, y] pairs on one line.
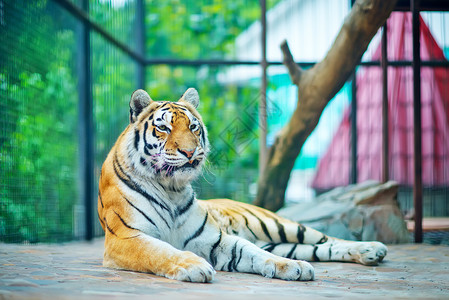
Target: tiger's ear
[[191, 96], [139, 100]]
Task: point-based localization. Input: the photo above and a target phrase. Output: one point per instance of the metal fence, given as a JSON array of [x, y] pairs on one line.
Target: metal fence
[[67, 69]]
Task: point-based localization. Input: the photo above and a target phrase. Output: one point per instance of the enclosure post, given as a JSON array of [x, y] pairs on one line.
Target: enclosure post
[[385, 156], [417, 157], [353, 172], [140, 42], [85, 119], [353, 178], [263, 92]]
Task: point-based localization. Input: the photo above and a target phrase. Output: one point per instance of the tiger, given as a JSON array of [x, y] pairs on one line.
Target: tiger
[[154, 223]]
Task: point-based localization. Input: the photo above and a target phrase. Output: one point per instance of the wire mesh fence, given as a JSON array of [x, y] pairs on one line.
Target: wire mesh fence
[[42, 181], [38, 155]]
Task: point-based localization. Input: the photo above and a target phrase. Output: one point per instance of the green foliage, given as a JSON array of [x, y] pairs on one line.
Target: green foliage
[[38, 153], [196, 29]]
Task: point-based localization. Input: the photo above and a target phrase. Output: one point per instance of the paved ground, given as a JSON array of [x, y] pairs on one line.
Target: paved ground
[[74, 271]]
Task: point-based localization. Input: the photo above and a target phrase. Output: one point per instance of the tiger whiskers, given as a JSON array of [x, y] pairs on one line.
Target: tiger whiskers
[[207, 169]]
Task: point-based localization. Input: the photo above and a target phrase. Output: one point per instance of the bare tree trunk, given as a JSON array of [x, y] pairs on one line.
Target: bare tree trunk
[[316, 87]]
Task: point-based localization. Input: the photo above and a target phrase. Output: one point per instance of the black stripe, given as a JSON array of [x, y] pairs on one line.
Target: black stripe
[[212, 256], [270, 247], [240, 258], [203, 136], [186, 207], [145, 128], [247, 226], [233, 255], [314, 256], [130, 237], [124, 223], [289, 255], [101, 221], [109, 228], [281, 231], [330, 251], [262, 224], [322, 240], [300, 234], [134, 186], [112, 232], [141, 212], [101, 200], [198, 232], [265, 229], [136, 139]]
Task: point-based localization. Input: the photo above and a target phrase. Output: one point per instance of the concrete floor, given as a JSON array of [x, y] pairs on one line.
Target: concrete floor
[[74, 271]]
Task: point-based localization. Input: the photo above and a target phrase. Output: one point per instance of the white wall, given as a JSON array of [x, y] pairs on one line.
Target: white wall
[[309, 26]]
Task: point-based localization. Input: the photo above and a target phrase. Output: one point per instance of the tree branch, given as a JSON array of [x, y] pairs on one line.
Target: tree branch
[[293, 69], [316, 86]]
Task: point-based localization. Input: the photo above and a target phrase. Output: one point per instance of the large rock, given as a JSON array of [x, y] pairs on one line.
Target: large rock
[[365, 212]]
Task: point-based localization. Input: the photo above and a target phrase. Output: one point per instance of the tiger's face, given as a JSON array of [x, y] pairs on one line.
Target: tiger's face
[[170, 140]]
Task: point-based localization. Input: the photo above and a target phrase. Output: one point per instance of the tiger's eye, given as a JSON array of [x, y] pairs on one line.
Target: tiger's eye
[[163, 128], [193, 127]]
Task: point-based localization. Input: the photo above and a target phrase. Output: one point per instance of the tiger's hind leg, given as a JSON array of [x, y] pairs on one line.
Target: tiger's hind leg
[[292, 240], [366, 253], [304, 243], [312, 245], [289, 239]]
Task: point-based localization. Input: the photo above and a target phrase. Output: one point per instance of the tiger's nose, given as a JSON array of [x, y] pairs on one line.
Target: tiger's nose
[[186, 153]]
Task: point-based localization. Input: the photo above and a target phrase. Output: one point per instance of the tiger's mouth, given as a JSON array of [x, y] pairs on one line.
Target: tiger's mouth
[[169, 170]]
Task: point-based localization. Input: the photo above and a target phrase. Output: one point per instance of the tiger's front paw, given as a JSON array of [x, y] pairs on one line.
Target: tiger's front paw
[[287, 269], [371, 253], [192, 268]]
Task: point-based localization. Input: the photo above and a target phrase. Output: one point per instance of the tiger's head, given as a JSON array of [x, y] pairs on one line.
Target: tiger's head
[[169, 138]]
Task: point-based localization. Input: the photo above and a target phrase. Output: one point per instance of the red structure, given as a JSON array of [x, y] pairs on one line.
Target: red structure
[[334, 167]]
